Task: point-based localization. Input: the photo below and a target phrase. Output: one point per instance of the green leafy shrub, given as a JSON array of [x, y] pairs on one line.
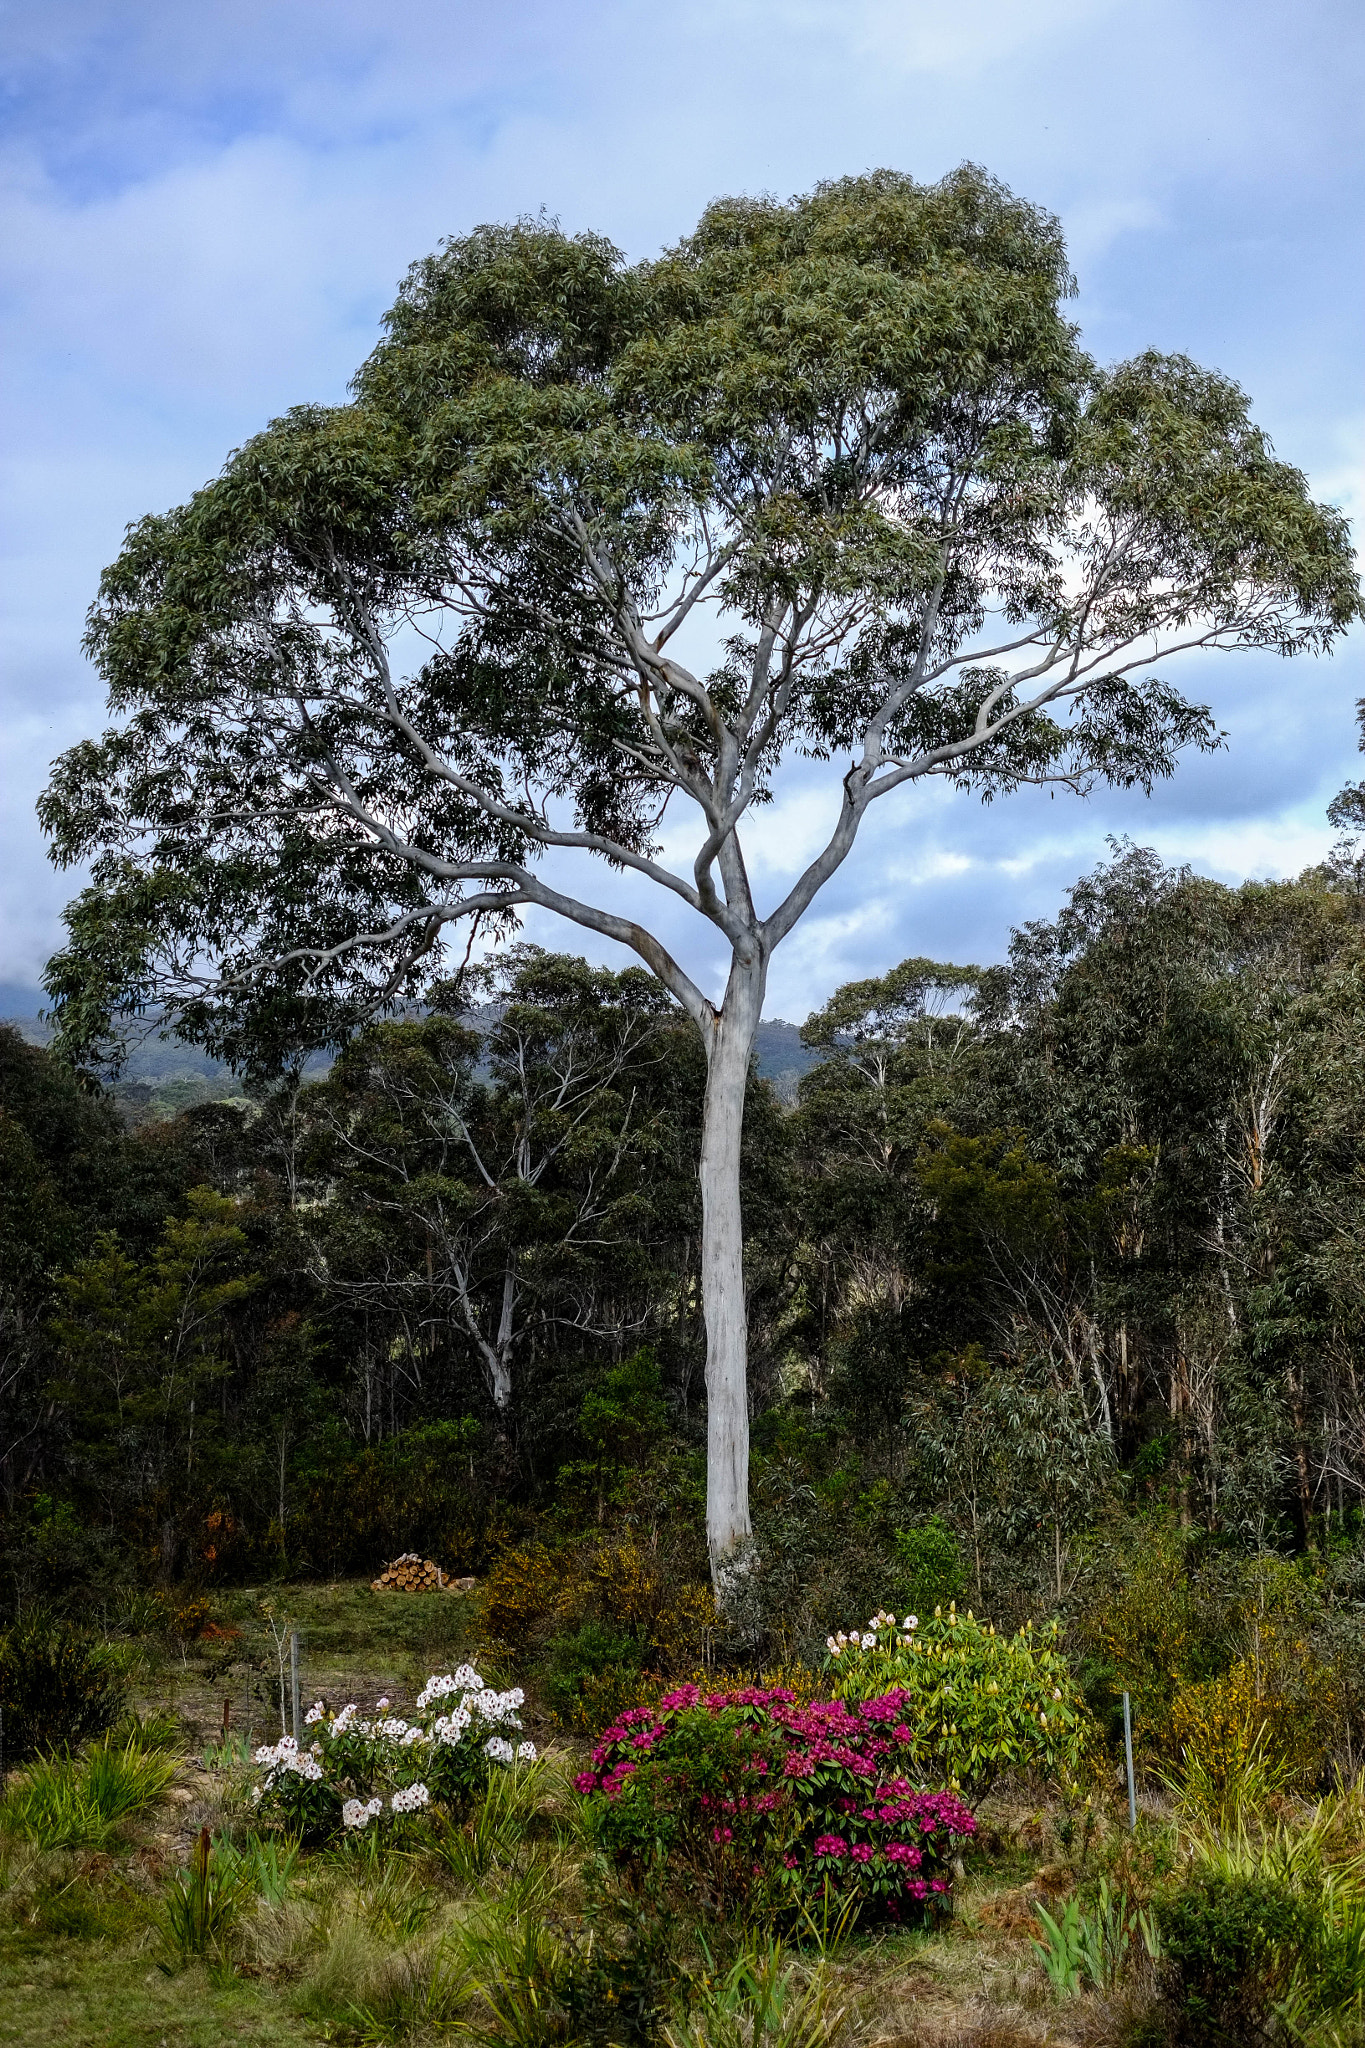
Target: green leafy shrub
[[1230, 1942], [1316, 1964], [594, 1673], [978, 1703], [757, 1804], [58, 1687]]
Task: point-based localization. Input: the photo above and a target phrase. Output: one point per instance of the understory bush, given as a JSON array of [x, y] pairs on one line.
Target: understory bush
[[754, 1803], [977, 1702], [355, 1772], [607, 1619], [1230, 1940], [1264, 1922], [1283, 1701], [58, 1686], [1225, 1656]]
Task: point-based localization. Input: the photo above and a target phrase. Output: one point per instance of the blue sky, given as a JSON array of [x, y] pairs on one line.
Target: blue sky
[[207, 208]]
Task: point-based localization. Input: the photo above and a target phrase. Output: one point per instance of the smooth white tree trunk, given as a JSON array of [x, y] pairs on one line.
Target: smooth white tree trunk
[[729, 1532]]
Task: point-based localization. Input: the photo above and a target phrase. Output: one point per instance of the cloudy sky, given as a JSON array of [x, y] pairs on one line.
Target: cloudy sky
[[207, 209]]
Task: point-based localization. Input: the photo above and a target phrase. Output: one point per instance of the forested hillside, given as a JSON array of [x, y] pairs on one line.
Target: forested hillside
[[1042, 1257]]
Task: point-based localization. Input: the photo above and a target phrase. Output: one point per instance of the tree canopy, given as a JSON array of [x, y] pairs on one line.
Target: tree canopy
[[403, 646]]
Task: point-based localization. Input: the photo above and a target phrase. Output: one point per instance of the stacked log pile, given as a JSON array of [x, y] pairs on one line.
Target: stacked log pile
[[411, 1574]]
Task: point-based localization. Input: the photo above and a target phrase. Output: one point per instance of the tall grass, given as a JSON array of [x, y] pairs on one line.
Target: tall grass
[[1215, 1793], [160, 1731], [1319, 1858], [517, 1814], [523, 1972], [409, 1994], [65, 1802], [266, 1865], [767, 1998]]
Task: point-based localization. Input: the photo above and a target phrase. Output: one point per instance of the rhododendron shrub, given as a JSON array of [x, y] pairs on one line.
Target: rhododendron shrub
[[977, 1703], [759, 1804], [351, 1771]]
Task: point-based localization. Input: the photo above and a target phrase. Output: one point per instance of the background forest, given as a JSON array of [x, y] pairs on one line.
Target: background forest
[[1057, 1273]]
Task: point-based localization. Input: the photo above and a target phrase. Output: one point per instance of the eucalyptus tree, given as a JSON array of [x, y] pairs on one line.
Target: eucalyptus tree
[[831, 478], [898, 1052], [506, 1162]]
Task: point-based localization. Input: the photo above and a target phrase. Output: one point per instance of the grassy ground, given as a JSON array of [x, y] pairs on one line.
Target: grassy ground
[[352, 1642], [356, 1952]]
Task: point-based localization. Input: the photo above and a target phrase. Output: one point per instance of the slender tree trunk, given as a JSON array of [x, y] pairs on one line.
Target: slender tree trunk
[[1301, 1458], [728, 1528]]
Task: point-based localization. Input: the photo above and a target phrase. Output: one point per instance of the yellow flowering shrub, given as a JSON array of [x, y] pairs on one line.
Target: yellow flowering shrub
[[1146, 1632], [519, 1594], [610, 1621], [1280, 1702], [628, 1586]]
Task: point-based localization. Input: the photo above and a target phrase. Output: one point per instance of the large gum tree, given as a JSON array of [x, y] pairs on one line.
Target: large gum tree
[[830, 479]]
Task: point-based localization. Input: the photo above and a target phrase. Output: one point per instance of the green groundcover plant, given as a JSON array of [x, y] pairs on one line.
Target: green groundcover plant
[[977, 1702], [759, 1805], [356, 1772]]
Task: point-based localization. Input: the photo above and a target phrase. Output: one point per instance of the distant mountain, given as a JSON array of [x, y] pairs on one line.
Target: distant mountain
[[162, 1077], [159, 1079], [782, 1059]]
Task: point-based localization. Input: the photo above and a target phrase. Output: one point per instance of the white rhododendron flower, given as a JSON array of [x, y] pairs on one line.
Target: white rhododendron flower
[[449, 1728], [314, 1714], [499, 1749], [911, 1621], [286, 1756], [465, 1679], [358, 1813], [526, 1752], [411, 1799]]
